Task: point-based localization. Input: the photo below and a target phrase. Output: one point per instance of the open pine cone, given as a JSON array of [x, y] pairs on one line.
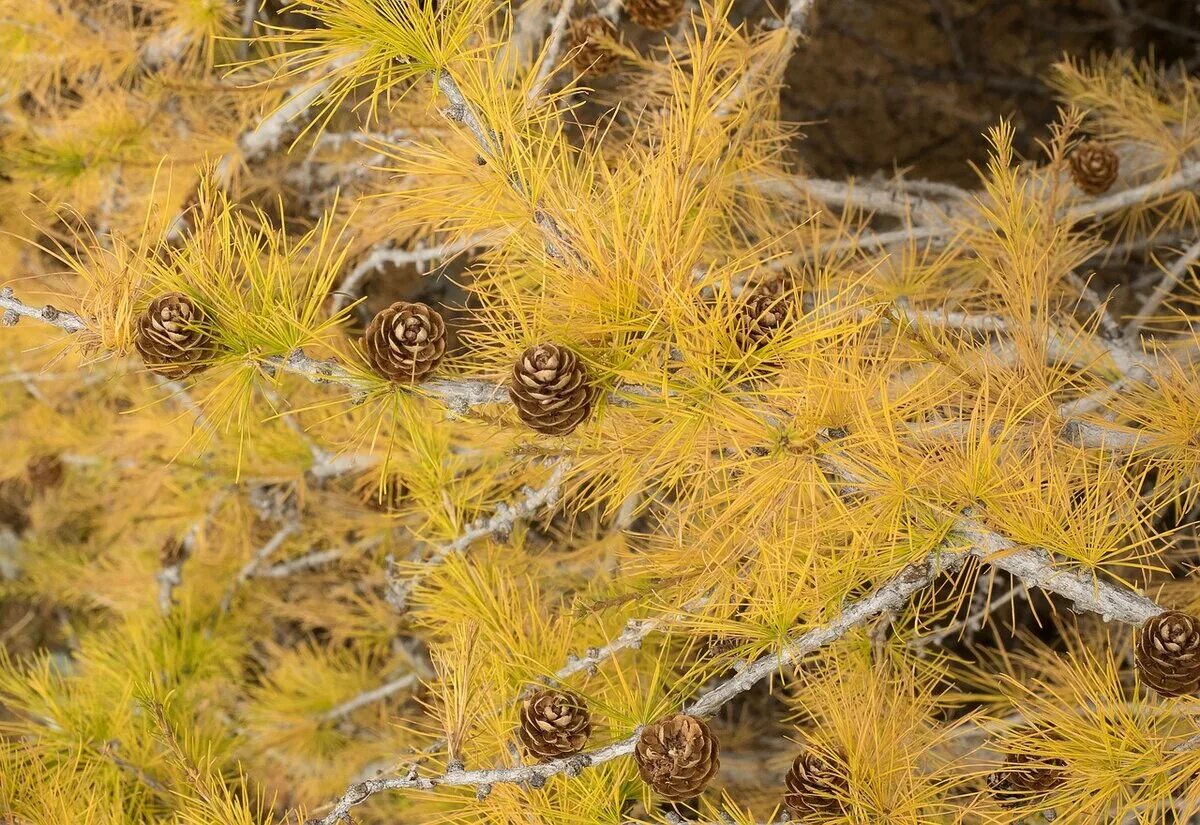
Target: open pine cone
[[763, 313], [171, 337], [550, 389], [1024, 776], [654, 14], [1167, 649], [554, 723], [677, 756], [591, 55], [1094, 167], [814, 786], [405, 342]]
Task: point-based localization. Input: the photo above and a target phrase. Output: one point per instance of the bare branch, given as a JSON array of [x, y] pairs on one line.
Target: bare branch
[[15, 310]]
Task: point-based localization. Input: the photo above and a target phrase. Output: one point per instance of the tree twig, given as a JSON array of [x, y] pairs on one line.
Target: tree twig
[[1162, 290], [501, 521], [554, 44], [368, 697], [262, 554]]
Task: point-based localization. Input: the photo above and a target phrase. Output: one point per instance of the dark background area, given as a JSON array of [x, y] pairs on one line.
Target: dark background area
[[913, 84]]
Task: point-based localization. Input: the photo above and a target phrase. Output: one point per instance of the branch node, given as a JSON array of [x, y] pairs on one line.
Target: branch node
[[10, 318]]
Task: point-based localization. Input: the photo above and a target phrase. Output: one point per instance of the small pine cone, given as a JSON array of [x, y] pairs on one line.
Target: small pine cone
[[44, 472], [171, 337], [550, 389], [554, 723], [591, 54], [815, 786], [763, 313], [1024, 776], [405, 342], [1094, 167], [1167, 649], [654, 14], [677, 756]]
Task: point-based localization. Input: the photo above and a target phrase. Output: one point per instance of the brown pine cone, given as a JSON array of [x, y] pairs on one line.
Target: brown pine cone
[[1094, 167], [677, 756], [654, 14], [405, 342], [554, 723], [815, 786], [44, 472], [1167, 649], [550, 389], [763, 313], [1024, 776], [171, 337], [591, 54]]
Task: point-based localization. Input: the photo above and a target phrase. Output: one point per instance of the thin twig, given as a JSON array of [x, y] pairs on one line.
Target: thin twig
[[262, 554], [308, 561], [368, 697], [500, 522], [1170, 278], [554, 45], [795, 21], [170, 576], [348, 289]]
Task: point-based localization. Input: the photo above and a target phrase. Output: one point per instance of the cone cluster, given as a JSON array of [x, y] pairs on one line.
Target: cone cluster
[[172, 337], [677, 756], [554, 724], [814, 786], [591, 55], [1094, 167], [550, 389], [1024, 776], [405, 342], [1167, 651], [654, 14]]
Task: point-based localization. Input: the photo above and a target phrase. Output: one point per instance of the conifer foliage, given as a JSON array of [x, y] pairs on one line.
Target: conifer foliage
[[399, 430]]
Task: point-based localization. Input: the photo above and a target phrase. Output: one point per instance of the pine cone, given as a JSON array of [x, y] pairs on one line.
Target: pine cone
[[44, 472], [550, 389], [554, 724], [763, 313], [591, 55], [1024, 776], [815, 786], [405, 342], [171, 337], [1094, 167], [677, 756], [654, 14], [1167, 649]]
